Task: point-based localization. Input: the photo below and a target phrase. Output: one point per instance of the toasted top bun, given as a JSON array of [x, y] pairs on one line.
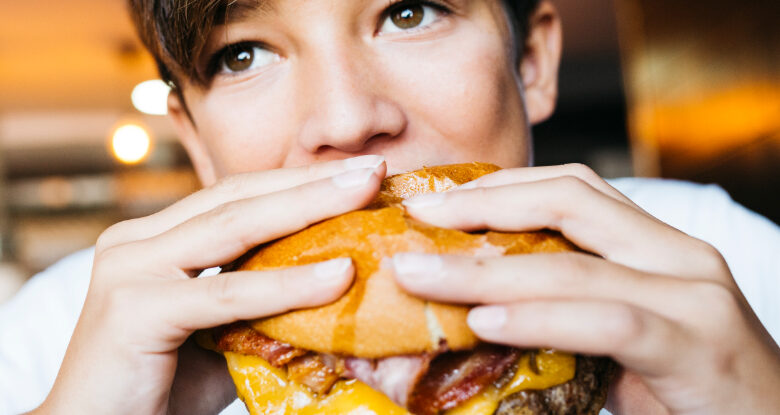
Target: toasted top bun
[[375, 318]]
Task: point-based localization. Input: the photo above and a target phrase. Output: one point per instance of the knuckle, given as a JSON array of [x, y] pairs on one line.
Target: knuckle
[[112, 235], [464, 208], [117, 263], [712, 262], [559, 207], [110, 257], [303, 218], [720, 301], [716, 293], [582, 171], [626, 325], [106, 238], [224, 216], [717, 320], [223, 291], [572, 186], [576, 265]]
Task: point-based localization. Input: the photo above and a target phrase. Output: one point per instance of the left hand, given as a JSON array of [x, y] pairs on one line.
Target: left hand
[[661, 303]]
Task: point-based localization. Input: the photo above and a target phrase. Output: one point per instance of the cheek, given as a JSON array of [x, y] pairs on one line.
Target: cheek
[[241, 130], [465, 90]]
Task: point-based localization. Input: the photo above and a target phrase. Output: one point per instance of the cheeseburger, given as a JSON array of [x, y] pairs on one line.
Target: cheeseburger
[[378, 350]]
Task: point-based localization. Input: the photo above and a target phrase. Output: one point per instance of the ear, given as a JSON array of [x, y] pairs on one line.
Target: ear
[[539, 66], [189, 138]]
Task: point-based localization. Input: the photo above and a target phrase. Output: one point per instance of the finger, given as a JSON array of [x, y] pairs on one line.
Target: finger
[[640, 340], [575, 276], [225, 298], [236, 187], [533, 174], [222, 234], [590, 219]]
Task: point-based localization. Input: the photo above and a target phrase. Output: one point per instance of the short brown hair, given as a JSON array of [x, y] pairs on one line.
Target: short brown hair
[[175, 31]]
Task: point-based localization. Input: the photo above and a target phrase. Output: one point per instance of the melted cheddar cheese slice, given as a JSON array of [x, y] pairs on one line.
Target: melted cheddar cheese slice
[[266, 391]]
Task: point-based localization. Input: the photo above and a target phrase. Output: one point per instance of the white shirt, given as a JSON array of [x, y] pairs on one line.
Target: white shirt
[[36, 325]]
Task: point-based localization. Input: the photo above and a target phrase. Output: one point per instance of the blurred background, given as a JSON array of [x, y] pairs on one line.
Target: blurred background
[[660, 88]]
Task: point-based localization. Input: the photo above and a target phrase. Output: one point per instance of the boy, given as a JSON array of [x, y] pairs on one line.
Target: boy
[[270, 99]]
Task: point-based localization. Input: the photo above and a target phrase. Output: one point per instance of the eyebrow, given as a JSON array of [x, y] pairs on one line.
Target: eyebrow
[[239, 10]]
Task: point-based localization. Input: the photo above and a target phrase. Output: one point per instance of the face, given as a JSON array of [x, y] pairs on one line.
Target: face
[[295, 82]]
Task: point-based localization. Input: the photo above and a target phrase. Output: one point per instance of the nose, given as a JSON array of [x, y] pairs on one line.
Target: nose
[[349, 107]]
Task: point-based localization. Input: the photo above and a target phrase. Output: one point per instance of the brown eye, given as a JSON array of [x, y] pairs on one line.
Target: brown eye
[[239, 58], [410, 16], [243, 57], [407, 17]]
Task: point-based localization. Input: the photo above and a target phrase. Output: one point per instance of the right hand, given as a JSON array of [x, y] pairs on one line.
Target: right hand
[[143, 303]]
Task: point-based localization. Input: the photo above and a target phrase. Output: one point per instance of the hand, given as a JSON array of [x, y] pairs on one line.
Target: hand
[[143, 302], [661, 303]]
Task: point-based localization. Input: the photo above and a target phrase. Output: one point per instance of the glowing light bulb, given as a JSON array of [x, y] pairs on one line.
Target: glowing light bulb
[[131, 144], [151, 97]]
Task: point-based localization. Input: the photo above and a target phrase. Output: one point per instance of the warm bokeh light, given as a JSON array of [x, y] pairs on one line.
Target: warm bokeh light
[[151, 97], [711, 122], [131, 143]]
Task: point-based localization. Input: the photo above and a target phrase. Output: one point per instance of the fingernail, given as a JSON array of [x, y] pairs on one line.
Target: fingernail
[[488, 318], [353, 178], [426, 200], [362, 162], [421, 266], [332, 269]]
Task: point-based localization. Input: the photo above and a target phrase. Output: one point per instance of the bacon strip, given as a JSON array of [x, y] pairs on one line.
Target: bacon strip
[[453, 378], [311, 370], [241, 338]]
